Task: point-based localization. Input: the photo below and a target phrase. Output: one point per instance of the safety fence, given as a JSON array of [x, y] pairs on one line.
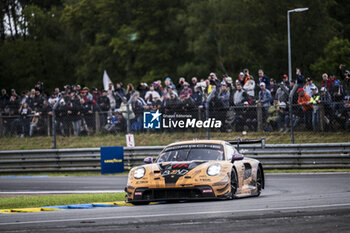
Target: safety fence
[[272, 156], [321, 117]]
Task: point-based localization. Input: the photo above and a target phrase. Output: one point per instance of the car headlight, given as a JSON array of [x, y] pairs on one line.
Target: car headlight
[[214, 170], [139, 173]]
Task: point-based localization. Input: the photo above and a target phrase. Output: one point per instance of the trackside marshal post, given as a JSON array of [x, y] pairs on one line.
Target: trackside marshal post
[[112, 159]]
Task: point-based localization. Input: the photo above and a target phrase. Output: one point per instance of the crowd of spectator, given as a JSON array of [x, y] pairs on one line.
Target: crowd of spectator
[[234, 101]]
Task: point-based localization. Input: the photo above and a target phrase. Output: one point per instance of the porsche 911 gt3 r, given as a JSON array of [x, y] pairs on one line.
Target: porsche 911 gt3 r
[[193, 170]]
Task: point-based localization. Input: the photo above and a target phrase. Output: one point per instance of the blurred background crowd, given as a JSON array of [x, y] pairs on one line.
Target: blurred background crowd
[[242, 102]]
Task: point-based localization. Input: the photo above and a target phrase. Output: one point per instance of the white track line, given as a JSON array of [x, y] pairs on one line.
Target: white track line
[[63, 192], [176, 214]]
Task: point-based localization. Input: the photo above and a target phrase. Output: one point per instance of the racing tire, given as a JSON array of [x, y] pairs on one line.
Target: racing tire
[[233, 183], [259, 181]]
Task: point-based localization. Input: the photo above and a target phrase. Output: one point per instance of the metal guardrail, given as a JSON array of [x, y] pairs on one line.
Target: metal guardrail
[[272, 156]]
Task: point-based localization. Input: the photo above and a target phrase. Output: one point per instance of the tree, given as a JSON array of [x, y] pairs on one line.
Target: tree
[[336, 52]]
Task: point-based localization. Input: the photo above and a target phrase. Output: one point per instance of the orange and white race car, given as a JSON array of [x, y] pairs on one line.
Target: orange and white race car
[[193, 170]]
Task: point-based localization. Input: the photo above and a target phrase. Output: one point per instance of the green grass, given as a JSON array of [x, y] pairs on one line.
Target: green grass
[[157, 139], [52, 200]]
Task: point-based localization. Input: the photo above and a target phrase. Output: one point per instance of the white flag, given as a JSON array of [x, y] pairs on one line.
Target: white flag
[[106, 81]]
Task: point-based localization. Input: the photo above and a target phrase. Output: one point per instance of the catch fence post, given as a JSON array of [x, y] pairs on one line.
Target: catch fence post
[[97, 121], [211, 95], [259, 114]]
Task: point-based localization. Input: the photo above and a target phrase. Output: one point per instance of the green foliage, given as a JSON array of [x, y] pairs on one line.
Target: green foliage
[[336, 52], [74, 41]]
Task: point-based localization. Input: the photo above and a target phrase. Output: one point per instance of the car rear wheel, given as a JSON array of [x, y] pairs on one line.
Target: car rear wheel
[[234, 183], [259, 181]]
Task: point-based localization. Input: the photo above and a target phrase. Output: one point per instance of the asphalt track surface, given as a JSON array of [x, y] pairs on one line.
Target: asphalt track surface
[[289, 203]]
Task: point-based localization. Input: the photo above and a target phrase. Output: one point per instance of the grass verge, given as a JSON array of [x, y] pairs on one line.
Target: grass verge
[[157, 139], [52, 200]]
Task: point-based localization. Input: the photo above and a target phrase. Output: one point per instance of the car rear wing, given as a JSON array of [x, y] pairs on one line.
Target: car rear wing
[[241, 141]]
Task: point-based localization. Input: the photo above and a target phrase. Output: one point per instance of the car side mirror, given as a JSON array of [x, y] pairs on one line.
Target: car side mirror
[[148, 160], [237, 157]]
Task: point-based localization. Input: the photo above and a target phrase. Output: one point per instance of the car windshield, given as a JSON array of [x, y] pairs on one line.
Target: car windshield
[[189, 152]]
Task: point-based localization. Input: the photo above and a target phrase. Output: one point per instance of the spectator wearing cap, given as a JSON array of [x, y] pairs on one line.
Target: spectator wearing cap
[[40, 86], [282, 93], [241, 78], [285, 81], [307, 107], [38, 100], [224, 95], [86, 94], [315, 101], [249, 86], [186, 92], [264, 79], [300, 79], [95, 94], [308, 86], [117, 123], [24, 96], [169, 84], [283, 117], [158, 87], [67, 88], [264, 97], [186, 102], [272, 118]]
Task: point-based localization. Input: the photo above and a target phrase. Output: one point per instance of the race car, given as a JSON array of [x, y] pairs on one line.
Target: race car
[[194, 170]]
